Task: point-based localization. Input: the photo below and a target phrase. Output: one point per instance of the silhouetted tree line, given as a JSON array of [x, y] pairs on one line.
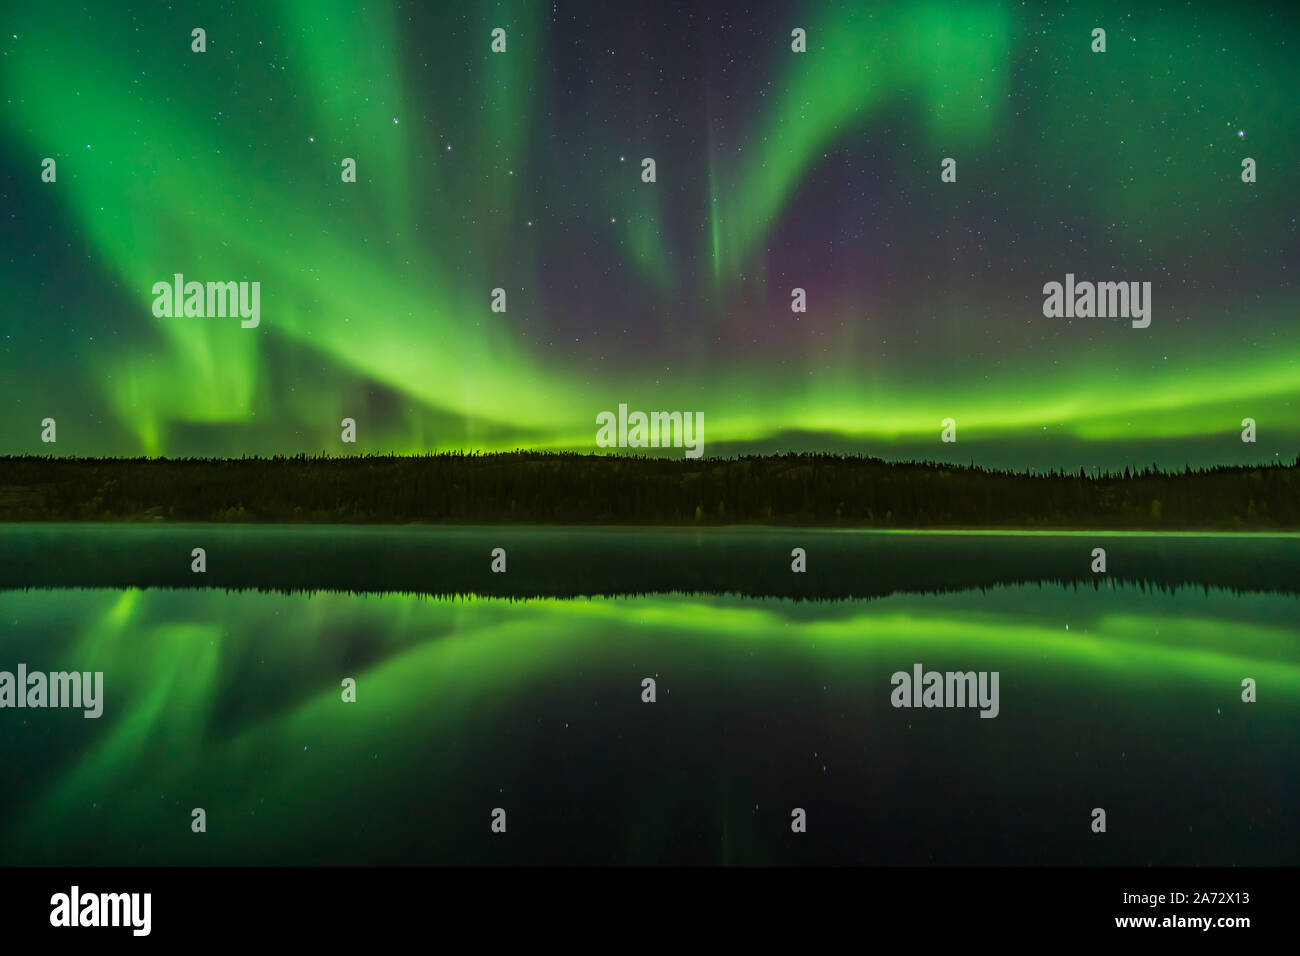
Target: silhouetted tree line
[[536, 488]]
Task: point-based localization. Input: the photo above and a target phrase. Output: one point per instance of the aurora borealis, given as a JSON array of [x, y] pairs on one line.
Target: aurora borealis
[[775, 170]]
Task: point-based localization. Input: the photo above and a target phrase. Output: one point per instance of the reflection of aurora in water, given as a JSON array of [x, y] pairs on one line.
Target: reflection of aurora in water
[[1122, 699]]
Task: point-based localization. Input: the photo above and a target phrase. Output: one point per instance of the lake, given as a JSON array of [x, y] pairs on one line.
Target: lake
[[523, 691]]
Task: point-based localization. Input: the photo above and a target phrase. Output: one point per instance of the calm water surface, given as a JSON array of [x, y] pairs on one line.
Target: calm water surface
[[523, 691]]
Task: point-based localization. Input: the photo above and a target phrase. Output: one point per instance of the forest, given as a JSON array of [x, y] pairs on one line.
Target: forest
[[561, 488]]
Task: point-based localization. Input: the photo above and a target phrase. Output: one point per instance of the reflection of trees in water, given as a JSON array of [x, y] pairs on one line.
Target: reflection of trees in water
[[579, 562]]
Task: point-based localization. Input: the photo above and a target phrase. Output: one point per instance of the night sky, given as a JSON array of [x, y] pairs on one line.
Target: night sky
[[775, 170]]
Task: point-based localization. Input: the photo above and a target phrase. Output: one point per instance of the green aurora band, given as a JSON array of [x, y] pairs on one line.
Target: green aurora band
[[479, 170]]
